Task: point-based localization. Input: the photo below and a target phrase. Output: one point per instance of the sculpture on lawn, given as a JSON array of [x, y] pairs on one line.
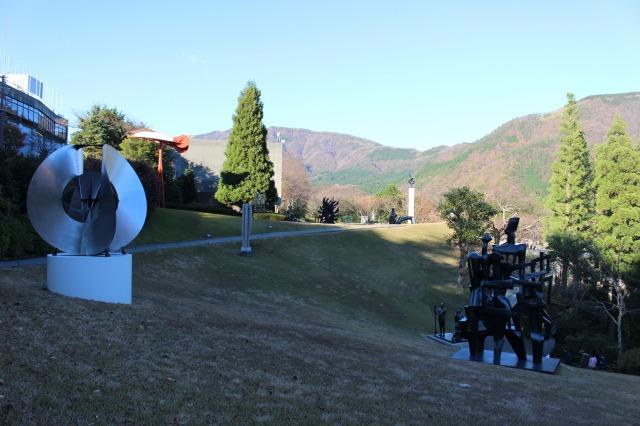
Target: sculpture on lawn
[[507, 300], [394, 219], [86, 212], [329, 210], [441, 314]]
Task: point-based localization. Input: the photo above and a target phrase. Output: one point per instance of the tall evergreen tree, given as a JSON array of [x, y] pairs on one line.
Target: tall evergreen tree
[[571, 195], [617, 184], [246, 170]]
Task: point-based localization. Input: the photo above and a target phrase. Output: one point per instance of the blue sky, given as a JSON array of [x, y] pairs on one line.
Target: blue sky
[[404, 73]]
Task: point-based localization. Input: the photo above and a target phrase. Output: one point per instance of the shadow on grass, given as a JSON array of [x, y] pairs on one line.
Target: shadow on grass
[[393, 275]]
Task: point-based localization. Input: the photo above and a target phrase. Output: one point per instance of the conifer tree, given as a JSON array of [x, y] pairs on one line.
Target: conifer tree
[[571, 195], [617, 183], [246, 170]]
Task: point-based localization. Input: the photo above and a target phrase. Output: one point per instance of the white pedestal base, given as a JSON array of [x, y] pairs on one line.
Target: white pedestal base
[[105, 279]]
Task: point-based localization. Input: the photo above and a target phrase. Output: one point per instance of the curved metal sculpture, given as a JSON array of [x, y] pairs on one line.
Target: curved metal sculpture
[[86, 212]]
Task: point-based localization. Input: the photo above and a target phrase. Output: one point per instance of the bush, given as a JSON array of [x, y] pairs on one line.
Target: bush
[[13, 236], [629, 362], [276, 217], [150, 183], [296, 209], [589, 343], [206, 208], [187, 185]]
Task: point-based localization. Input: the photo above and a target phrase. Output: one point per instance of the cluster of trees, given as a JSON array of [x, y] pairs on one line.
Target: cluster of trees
[[17, 236], [594, 230], [105, 125]]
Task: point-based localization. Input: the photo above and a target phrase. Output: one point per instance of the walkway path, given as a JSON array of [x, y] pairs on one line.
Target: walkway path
[[210, 241]]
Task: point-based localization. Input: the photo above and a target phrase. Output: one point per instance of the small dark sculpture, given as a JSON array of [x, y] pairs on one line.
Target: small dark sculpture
[[441, 314], [505, 290], [411, 181], [458, 330], [393, 216], [394, 219], [329, 210]]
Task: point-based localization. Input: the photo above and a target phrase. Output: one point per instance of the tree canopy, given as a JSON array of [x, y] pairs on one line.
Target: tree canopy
[[571, 195], [617, 182], [102, 125], [247, 169], [467, 214], [388, 198]]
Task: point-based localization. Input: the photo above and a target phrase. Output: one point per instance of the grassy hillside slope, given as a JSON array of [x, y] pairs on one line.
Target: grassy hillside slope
[[170, 225], [308, 330]]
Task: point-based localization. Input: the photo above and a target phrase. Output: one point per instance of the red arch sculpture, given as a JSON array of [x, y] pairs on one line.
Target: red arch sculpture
[[179, 143]]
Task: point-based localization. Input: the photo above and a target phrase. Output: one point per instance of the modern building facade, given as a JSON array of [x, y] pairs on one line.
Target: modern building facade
[[22, 102]]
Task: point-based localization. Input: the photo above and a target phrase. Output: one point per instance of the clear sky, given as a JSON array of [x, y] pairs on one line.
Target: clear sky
[[402, 73]]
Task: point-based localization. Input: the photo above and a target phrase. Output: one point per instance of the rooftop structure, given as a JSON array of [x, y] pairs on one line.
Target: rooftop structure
[[22, 105]]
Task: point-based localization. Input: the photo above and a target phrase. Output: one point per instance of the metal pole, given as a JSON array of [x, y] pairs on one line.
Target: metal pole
[[161, 174], [247, 213]]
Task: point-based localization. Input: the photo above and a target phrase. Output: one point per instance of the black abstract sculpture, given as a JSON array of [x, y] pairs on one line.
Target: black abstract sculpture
[[394, 219], [329, 210], [441, 314], [506, 300]]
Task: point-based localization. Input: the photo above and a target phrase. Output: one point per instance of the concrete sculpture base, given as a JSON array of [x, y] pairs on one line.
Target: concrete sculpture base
[[508, 359], [101, 278]]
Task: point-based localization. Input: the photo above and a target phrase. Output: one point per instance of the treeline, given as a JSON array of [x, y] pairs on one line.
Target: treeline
[[594, 231]]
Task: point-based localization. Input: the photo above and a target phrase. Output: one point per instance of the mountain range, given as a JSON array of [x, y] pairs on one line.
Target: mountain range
[[512, 162]]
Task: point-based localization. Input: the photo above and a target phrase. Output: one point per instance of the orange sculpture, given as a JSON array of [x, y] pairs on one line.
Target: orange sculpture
[[179, 143]]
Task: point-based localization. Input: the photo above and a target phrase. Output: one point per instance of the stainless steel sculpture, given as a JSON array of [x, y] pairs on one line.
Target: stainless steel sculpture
[[86, 212]]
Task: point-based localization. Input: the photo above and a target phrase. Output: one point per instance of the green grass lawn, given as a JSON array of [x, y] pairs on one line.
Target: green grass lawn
[[316, 329], [171, 225]]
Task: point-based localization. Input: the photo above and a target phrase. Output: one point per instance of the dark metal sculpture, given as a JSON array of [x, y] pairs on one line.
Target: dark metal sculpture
[[394, 219], [441, 313], [329, 210], [506, 292], [86, 212]]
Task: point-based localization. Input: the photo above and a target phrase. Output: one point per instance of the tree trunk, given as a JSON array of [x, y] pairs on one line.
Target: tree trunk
[[564, 274], [621, 311], [462, 266]]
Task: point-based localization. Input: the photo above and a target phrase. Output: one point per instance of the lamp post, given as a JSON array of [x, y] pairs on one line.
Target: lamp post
[[2, 82]]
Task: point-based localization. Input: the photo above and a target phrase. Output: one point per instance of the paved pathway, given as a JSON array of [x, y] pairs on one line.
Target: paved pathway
[[208, 241]]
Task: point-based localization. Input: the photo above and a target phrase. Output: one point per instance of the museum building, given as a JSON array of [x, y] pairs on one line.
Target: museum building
[[22, 101]]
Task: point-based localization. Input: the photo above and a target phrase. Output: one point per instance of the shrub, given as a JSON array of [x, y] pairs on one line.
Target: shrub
[[149, 181], [276, 217], [629, 362], [206, 208], [589, 343], [296, 209], [13, 236]]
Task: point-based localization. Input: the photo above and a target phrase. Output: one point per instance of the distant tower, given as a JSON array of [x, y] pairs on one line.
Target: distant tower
[[278, 136]]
